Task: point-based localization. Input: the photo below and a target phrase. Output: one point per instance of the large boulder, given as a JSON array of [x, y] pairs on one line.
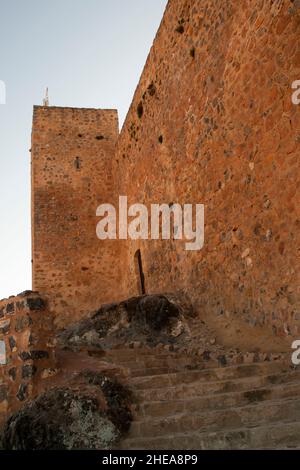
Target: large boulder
[[149, 319], [93, 413]]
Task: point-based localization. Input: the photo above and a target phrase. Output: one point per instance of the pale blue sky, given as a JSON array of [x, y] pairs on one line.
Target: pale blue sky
[[90, 53]]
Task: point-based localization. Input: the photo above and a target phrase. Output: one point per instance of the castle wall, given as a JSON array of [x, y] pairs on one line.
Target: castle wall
[[212, 122], [26, 347], [72, 153]]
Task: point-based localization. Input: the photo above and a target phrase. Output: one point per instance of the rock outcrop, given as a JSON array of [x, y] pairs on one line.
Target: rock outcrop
[[149, 319], [93, 412]]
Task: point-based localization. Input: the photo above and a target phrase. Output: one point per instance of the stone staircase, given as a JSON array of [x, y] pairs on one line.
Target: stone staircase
[[183, 402]]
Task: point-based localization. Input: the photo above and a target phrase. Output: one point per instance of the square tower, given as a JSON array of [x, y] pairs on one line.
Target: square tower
[[72, 173]]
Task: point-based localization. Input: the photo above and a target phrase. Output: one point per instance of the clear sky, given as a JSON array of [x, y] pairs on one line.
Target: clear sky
[[90, 53]]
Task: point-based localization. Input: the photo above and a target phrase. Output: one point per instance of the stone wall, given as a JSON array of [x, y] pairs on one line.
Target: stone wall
[[27, 332], [72, 153], [212, 122]]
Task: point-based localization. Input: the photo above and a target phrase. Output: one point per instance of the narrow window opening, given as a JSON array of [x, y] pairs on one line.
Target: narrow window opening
[[139, 272], [77, 163], [140, 110]]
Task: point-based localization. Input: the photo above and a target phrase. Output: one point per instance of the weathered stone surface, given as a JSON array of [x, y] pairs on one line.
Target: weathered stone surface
[[151, 319], [3, 392], [223, 105], [24, 358], [28, 371], [152, 312], [48, 372], [12, 343], [35, 355], [94, 415], [117, 397], [12, 372], [22, 392], [24, 355], [22, 322], [20, 304], [4, 326], [222, 360], [36, 303], [10, 308]]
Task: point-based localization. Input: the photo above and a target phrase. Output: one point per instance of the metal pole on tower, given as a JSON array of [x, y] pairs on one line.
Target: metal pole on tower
[[46, 99]]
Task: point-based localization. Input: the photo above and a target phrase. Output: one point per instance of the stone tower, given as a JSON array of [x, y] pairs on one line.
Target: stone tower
[[72, 153]]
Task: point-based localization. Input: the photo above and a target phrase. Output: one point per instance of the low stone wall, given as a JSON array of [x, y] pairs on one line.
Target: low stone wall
[[26, 350]]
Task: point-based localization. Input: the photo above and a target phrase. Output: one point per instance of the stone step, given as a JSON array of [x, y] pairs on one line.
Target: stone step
[[279, 436], [204, 375], [155, 362], [164, 361], [200, 388], [128, 354], [154, 371], [140, 358], [216, 402], [214, 420], [141, 369]]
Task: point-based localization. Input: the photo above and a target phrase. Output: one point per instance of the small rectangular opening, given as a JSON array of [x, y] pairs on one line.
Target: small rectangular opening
[[77, 163]]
